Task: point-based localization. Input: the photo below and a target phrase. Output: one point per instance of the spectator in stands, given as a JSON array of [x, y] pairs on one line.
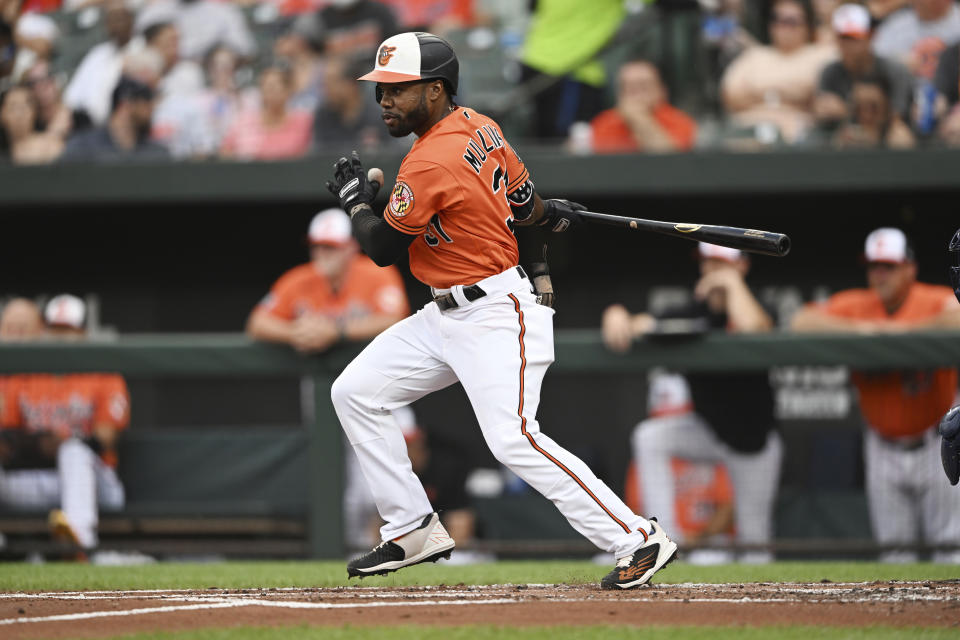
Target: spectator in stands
[[349, 27], [20, 143], [20, 321], [917, 35], [906, 490], [270, 130], [306, 64], [349, 117], [745, 439], [127, 132], [851, 22], [776, 84], [202, 25], [53, 116], [206, 117], [724, 37], [561, 66], [873, 122], [339, 295], [642, 120], [69, 423], [88, 91]]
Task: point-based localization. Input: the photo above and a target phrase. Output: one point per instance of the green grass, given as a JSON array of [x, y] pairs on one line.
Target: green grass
[[65, 576], [552, 633]]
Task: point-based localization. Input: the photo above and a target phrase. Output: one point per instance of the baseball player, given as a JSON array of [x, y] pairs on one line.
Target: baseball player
[[901, 409], [338, 295], [460, 191], [74, 419]]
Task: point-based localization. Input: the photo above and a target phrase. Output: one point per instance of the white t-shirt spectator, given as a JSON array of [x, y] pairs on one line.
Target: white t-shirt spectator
[[95, 78], [903, 35]]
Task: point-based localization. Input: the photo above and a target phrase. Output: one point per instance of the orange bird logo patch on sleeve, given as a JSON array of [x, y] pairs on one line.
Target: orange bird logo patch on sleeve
[[384, 55]]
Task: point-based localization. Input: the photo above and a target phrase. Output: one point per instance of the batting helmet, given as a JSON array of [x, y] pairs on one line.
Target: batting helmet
[[950, 444], [415, 55]]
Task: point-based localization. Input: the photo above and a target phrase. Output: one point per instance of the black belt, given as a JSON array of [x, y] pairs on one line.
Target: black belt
[[471, 292]]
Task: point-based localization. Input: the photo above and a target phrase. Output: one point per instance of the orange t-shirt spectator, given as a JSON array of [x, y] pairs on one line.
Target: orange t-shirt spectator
[[339, 295], [643, 120], [897, 404]]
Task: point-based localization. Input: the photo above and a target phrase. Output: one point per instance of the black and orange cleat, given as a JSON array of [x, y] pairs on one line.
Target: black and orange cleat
[[637, 568]]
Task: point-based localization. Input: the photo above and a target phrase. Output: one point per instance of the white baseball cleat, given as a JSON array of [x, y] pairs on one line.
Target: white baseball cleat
[[427, 543], [637, 568]]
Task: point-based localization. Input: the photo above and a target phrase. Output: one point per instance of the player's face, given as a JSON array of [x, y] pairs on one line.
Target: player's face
[[331, 260], [404, 106]]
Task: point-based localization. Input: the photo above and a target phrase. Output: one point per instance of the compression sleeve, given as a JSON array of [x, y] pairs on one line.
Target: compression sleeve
[[384, 244]]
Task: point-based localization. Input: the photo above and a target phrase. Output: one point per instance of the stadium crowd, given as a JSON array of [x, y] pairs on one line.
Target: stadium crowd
[[88, 80]]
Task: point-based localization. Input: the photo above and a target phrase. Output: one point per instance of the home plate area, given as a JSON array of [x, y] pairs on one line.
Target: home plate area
[[93, 614]]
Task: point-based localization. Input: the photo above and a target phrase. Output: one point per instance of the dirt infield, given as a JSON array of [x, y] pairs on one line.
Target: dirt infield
[[96, 614]]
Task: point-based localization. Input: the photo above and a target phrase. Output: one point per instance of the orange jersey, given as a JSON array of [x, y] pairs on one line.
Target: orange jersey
[[367, 289], [900, 403], [68, 405], [451, 191], [701, 488]]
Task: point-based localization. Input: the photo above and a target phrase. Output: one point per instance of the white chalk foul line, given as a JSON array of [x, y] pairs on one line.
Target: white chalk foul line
[[246, 603]]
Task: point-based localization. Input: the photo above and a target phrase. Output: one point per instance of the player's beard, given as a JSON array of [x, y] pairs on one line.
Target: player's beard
[[406, 124]]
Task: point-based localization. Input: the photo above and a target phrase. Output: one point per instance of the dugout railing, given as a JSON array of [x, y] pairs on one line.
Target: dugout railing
[[301, 513]]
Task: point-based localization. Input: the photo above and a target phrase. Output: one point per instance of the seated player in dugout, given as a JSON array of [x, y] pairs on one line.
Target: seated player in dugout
[[339, 295], [65, 455], [459, 193]]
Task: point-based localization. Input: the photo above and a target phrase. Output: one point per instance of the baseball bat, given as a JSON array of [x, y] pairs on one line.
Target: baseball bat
[[752, 240]]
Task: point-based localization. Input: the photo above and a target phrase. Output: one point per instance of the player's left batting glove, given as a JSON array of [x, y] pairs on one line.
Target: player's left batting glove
[[350, 184], [950, 444], [560, 215]]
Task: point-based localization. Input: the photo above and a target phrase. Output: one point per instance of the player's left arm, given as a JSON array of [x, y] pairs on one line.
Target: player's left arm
[[356, 190]]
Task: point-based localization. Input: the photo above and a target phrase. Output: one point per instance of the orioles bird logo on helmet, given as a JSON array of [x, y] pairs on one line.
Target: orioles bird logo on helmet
[[384, 55]]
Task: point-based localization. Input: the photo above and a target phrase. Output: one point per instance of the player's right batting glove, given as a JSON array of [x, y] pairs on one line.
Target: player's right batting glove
[[950, 444], [350, 184], [560, 215]]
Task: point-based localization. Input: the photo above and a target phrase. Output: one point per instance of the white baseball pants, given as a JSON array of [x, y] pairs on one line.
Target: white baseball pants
[[79, 485], [909, 495], [754, 476], [498, 347]]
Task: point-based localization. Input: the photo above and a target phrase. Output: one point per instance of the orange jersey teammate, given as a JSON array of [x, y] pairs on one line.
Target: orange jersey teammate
[[459, 192], [901, 409]]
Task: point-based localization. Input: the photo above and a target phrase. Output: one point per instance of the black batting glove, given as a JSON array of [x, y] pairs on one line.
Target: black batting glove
[[560, 215], [350, 185]]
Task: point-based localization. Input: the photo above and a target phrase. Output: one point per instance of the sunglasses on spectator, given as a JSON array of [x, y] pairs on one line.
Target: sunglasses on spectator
[[787, 21]]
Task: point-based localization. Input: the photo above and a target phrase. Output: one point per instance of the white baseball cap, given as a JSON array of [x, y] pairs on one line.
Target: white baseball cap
[[668, 394], [707, 250], [330, 227], [887, 244], [852, 20], [65, 310]]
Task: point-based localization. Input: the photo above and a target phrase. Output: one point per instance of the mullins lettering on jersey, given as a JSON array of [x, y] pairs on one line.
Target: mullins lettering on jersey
[[386, 52], [487, 139]]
